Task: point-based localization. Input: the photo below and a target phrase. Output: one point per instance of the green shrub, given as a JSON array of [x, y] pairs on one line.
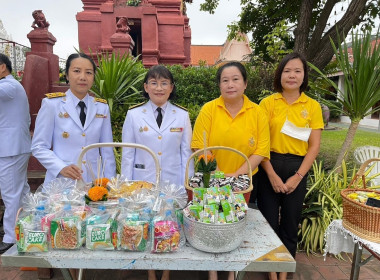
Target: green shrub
[[322, 205], [194, 85]]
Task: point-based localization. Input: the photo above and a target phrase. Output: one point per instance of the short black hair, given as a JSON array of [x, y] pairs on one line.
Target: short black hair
[[157, 72], [237, 64], [280, 68], [77, 55], [5, 60]]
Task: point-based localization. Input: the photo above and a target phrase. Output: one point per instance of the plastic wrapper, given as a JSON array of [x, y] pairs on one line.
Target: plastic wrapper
[[64, 191], [66, 229], [166, 232], [28, 239], [175, 192], [101, 229], [133, 228], [120, 186], [31, 235]]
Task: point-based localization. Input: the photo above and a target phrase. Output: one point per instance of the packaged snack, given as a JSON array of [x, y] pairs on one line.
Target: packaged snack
[[166, 236], [101, 230], [66, 230], [228, 211], [240, 203], [212, 195], [218, 174], [225, 193], [133, 235], [198, 195], [195, 211], [196, 182], [221, 218], [198, 174], [28, 239], [66, 233], [99, 237], [210, 213]]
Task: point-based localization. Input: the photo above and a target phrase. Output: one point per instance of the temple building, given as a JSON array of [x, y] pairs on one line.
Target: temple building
[[156, 30]]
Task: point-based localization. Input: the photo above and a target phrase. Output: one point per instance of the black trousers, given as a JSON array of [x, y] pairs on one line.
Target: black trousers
[[282, 211]]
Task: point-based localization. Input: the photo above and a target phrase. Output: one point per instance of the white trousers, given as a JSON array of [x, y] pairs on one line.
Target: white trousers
[[13, 186]]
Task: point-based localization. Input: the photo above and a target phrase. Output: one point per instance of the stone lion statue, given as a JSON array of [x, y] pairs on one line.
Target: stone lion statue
[[39, 20], [122, 25]]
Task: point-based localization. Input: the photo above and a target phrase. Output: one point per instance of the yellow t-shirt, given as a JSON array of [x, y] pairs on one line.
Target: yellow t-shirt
[[304, 112], [248, 133]]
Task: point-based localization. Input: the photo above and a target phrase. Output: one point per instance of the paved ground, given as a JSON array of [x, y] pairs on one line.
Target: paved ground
[[308, 268]]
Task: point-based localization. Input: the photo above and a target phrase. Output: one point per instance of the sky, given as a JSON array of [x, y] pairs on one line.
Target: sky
[[17, 19]]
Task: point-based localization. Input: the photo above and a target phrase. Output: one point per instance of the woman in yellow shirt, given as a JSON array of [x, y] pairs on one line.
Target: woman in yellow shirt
[[295, 122], [232, 120]]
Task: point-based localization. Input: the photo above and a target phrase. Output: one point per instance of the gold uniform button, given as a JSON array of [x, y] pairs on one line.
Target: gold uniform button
[[83, 134], [84, 162], [160, 137], [159, 153]]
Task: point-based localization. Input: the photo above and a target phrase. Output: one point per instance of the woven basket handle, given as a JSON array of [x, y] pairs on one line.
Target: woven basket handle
[[218, 148], [361, 172], [124, 145]]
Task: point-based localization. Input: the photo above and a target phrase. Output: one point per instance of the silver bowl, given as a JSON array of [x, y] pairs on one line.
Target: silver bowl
[[214, 238]]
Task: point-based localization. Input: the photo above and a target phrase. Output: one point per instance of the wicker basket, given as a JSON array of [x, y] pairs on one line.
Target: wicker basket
[[214, 238], [246, 192], [361, 219]]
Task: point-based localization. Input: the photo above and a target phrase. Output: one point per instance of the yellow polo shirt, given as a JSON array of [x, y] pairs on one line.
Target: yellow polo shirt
[[304, 112], [248, 133]]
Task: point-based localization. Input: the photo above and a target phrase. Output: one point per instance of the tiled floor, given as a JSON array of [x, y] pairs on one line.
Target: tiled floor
[[308, 267]]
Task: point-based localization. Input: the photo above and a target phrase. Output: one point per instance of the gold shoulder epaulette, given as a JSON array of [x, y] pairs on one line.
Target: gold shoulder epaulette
[[55, 94], [183, 108], [97, 99], [137, 105]]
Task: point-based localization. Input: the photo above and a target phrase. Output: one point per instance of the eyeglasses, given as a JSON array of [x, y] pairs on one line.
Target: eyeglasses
[[163, 85]]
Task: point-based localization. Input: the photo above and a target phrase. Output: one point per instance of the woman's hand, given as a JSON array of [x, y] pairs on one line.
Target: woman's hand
[[72, 171], [277, 184], [292, 183]]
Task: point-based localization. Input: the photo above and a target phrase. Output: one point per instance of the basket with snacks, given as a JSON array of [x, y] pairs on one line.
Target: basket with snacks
[[215, 218], [361, 207]]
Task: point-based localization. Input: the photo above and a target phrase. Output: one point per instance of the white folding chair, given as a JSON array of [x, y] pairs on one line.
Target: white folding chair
[[364, 153]]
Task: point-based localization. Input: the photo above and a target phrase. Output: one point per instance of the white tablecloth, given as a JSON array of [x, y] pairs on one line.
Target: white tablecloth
[[338, 239]]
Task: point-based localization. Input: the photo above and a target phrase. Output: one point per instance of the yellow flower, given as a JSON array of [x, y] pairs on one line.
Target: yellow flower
[[101, 182], [97, 193]]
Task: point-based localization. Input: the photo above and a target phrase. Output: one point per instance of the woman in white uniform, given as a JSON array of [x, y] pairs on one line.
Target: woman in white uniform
[[69, 121], [163, 127]]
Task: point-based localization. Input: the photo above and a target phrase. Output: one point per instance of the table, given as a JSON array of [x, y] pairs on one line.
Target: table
[[261, 250], [339, 239]]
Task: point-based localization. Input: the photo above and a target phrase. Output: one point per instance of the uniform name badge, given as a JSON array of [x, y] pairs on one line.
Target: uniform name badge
[[176, 129], [300, 133]]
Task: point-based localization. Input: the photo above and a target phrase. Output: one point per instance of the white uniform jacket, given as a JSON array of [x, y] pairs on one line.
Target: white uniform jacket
[[59, 136], [170, 143], [14, 118]]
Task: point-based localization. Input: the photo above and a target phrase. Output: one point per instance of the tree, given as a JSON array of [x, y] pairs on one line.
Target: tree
[[307, 18], [361, 81]]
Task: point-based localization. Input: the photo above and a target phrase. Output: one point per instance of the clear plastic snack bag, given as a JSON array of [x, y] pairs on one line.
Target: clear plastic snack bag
[[101, 229], [31, 235]]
